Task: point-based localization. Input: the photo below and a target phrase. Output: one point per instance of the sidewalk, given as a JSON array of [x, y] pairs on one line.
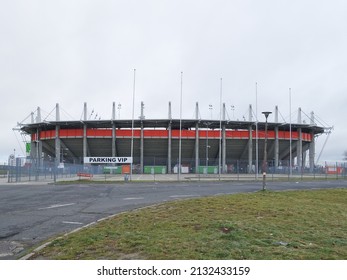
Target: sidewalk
[[162, 178], [134, 178]]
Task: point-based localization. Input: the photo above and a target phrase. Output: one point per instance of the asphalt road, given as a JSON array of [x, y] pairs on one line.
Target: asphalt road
[[30, 214]]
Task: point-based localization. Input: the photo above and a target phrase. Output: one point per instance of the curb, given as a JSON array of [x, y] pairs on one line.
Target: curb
[[41, 247]]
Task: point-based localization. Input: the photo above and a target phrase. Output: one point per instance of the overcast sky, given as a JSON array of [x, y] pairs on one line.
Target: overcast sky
[[71, 52]]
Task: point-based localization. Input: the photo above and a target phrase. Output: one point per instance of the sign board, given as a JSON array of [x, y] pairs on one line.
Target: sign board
[[105, 160], [12, 160], [28, 148]]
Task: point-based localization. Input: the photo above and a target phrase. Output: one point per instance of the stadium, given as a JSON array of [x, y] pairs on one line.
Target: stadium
[[161, 145]]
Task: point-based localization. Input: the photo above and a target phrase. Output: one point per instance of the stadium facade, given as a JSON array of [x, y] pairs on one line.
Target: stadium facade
[[201, 144]]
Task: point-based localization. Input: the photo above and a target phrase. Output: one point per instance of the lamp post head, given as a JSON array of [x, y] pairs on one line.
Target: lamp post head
[[266, 114]]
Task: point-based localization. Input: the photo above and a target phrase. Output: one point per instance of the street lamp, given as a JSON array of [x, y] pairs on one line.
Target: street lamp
[[210, 107], [119, 107], [266, 114]]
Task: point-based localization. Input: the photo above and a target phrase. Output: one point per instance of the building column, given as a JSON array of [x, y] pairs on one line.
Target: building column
[[38, 143], [312, 149], [39, 153], [250, 142], [33, 147], [299, 149], [277, 148], [224, 142], [113, 152], [299, 143], [141, 149], [197, 138], [57, 146], [250, 149], [277, 142], [169, 149], [142, 117], [113, 139], [304, 157], [169, 142], [85, 143], [57, 139]]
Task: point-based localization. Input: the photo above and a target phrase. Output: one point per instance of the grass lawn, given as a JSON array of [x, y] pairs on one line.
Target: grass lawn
[[261, 226]]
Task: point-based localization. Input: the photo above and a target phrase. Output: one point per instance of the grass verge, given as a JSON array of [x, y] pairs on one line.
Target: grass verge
[[264, 225]]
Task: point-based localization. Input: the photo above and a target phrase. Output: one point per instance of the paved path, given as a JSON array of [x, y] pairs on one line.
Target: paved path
[[31, 213]]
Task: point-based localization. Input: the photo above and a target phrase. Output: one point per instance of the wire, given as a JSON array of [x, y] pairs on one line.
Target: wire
[[23, 121], [45, 119], [322, 122], [20, 146], [65, 112], [284, 120]]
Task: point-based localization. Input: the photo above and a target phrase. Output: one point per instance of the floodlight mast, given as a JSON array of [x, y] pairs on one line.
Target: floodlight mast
[[180, 137], [132, 129]]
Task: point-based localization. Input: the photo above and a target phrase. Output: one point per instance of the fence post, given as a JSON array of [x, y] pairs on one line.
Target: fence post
[[326, 171], [54, 173], [302, 172], [238, 170]]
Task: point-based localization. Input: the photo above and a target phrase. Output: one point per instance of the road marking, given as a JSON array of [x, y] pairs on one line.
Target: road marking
[[56, 206], [73, 223], [182, 195], [133, 198]]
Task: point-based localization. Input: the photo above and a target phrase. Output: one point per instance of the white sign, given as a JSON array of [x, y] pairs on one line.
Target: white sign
[[108, 160], [12, 160]]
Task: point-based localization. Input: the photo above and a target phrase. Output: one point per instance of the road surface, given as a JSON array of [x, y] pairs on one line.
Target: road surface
[[32, 213]]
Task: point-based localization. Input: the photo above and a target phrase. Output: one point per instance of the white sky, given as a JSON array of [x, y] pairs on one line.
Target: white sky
[[71, 52]]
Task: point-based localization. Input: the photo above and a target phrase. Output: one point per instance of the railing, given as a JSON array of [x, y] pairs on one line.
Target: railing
[[158, 169]]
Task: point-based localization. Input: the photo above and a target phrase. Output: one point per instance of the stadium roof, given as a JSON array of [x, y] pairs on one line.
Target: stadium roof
[[165, 123]]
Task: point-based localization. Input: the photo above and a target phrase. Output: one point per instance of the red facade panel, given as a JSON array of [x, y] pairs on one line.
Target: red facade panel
[[153, 133], [185, 133], [209, 133], [156, 133], [96, 133], [286, 135], [125, 133], [71, 133], [306, 137], [49, 134], [237, 134]]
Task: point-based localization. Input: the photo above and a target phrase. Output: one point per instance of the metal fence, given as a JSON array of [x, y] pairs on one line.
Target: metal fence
[[158, 169]]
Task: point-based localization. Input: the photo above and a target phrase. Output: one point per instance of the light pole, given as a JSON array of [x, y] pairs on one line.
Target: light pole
[[180, 139], [207, 146], [233, 110], [132, 129], [210, 107], [119, 107], [266, 114]]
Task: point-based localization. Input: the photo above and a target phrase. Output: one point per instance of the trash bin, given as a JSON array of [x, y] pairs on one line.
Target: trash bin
[[126, 177]]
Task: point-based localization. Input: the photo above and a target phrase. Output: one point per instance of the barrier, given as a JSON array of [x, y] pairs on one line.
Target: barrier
[[86, 175], [48, 172]]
